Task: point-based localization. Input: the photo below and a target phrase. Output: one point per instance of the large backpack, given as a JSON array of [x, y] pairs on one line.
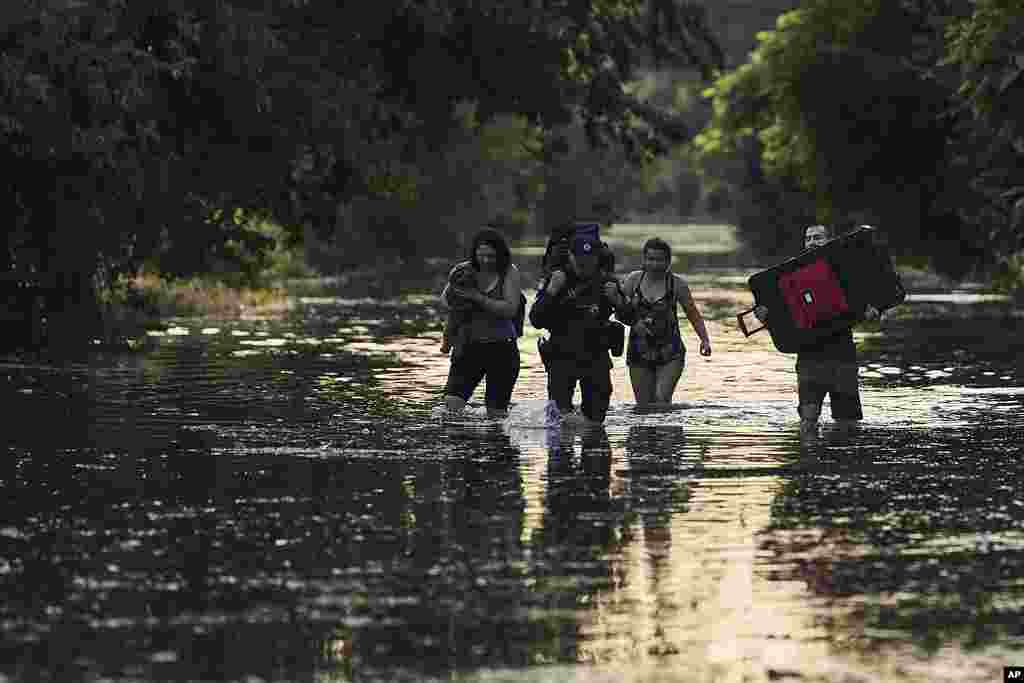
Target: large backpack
[[556, 252]]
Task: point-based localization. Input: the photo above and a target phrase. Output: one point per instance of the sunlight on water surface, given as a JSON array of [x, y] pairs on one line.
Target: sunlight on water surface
[[280, 500]]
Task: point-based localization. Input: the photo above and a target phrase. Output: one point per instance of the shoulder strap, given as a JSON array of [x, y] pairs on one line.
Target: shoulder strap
[[459, 268], [670, 294], [640, 281]]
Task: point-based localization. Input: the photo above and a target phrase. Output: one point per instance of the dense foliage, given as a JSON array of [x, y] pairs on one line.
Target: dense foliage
[[897, 113], [988, 48], [159, 132]]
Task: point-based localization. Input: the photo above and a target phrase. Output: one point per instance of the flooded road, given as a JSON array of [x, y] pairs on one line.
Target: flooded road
[[271, 500]]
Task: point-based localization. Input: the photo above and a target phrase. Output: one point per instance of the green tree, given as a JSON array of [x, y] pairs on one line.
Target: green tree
[[891, 146], [159, 132], [988, 49]]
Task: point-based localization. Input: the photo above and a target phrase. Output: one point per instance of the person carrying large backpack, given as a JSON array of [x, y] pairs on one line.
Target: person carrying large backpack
[[574, 303]]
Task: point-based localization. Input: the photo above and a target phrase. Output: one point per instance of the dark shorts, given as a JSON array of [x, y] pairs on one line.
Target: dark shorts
[[671, 349], [654, 366], [838, 379], [594, 377], [497, 361]]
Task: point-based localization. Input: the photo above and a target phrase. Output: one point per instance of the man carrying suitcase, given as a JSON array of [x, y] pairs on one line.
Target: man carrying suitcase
[[828, 368]]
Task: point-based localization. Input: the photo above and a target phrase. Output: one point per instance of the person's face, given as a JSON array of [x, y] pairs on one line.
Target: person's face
[[655, 261], [815, 236], [487, 256]]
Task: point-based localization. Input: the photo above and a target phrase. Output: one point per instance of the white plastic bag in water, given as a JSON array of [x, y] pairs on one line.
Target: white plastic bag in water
[[534, 414], [533, 423]]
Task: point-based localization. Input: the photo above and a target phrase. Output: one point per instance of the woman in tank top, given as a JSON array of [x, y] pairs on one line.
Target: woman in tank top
[[656, 354], [490, 349]]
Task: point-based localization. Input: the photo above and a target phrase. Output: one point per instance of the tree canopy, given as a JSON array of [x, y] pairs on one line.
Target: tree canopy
[[988, 48], [887, 112], [155, 132]]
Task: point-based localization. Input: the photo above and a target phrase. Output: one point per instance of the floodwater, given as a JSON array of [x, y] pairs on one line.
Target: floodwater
[[277, 500]]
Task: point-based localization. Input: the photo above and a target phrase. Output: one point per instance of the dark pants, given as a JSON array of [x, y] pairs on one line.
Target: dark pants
[[497, 361], [593, 373], [838, 379]]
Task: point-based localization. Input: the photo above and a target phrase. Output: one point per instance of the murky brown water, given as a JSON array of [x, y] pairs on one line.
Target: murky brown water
[[270, 500]]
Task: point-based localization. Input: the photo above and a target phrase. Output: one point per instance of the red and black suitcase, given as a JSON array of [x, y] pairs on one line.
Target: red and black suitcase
[[825, 289]]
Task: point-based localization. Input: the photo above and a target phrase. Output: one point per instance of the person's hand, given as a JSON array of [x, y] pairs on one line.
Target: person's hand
[[557, 281], [871, 313], [640, 327], [611, 292], [761, 313], [705, 347]]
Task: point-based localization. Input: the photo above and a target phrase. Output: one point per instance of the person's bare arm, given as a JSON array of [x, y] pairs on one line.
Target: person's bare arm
[[629, 282], [693, 315], [616, 296], [444, 296], [446, 292]]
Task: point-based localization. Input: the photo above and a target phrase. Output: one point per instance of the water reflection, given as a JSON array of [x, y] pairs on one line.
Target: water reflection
[[274, 499]]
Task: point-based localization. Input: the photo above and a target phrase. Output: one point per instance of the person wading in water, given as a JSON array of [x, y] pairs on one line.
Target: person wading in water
[[828, 368], [490, 349], [656, 354], [574, 303]]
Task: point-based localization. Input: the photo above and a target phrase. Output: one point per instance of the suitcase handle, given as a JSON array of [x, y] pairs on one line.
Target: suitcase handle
[[743, 325]]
